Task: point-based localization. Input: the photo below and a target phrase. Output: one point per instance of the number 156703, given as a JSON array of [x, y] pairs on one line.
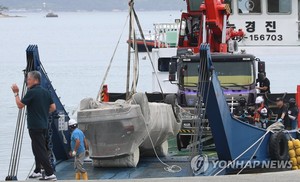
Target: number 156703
[[265, 37]]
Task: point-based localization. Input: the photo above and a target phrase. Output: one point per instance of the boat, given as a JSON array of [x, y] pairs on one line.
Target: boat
[[236, 142], [165, 36], [150, 44], [51, 15], [271, 32], [119, 131]]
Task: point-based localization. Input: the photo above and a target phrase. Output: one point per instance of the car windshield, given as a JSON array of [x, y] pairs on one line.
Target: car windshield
[[229, 73]]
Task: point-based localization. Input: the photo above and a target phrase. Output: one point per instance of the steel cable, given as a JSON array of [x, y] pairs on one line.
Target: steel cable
[[19, 133]]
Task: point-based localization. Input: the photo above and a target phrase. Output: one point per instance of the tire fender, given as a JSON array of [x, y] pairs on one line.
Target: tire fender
[[278, 147]]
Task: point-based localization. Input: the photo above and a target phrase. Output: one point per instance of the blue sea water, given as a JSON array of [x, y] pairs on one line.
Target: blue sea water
[[75, 50]]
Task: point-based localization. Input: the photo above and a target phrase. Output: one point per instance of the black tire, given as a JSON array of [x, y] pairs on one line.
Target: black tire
[[278, 147]]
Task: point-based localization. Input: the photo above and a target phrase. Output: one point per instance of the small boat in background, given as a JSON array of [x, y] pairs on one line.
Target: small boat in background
[[149, 43], [165, 36], [51, 15]]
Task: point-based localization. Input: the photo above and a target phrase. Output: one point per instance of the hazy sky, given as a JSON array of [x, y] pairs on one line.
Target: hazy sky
[[73, 5]]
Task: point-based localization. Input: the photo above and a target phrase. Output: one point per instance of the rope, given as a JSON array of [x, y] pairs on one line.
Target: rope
[[31, 170], [128, 50], [271, 101], [136, 62], [111, 60], [243, 153], [252, 155], [168, 168], [148, 52]]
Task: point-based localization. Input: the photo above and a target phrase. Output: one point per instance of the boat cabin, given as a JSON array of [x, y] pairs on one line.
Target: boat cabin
[[267, 22]]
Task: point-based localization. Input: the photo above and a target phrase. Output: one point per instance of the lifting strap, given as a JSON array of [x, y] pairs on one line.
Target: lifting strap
[[110, 62]]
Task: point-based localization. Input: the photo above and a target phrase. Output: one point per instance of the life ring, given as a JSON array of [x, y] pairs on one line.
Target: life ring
[[278, 147]]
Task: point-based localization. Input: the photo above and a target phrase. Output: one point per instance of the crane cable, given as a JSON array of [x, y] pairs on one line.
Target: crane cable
[[200, 113], [148, 52], [18, 137], [111, 60]]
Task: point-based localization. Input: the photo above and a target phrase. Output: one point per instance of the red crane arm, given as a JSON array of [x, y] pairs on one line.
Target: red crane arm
[[215, 10]]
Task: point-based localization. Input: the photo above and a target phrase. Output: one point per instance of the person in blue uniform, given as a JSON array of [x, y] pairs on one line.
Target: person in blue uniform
[[79, 147], [39, 104]]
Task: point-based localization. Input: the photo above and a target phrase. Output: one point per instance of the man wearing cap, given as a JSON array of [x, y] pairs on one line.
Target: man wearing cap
[[282, 113], [79, 147]]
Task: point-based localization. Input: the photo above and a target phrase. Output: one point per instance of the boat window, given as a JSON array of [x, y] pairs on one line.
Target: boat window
[[249, 6], [280, 6], [195, 4], [163, 64]]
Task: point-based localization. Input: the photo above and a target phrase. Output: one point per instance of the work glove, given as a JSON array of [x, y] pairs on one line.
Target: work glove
[[279, 120], [242, 116]]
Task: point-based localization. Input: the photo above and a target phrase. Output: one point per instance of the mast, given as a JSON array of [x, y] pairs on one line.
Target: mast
[[131, 2]]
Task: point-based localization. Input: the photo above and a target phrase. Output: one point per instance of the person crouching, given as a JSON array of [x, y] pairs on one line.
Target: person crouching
[[79, 147]]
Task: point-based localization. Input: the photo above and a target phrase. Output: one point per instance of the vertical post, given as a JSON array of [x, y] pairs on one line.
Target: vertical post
[[231, 108], [224, 29], [135, 63], [204, 33], [223, 45], [298, 103], [104, 94], [129, 49]]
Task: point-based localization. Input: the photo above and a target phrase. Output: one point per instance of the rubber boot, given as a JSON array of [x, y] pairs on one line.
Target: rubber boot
[[85, 176], [77, 176]]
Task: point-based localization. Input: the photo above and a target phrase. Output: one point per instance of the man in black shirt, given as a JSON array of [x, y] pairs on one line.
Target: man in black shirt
[[282, 113], [264, 84], [240, 111], [293, 113], [39, 104]]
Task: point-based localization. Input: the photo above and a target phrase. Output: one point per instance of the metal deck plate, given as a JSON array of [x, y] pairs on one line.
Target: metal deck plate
[[148, 168]]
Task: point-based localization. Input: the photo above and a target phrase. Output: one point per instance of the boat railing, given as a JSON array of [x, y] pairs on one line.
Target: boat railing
[[166, 34]]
